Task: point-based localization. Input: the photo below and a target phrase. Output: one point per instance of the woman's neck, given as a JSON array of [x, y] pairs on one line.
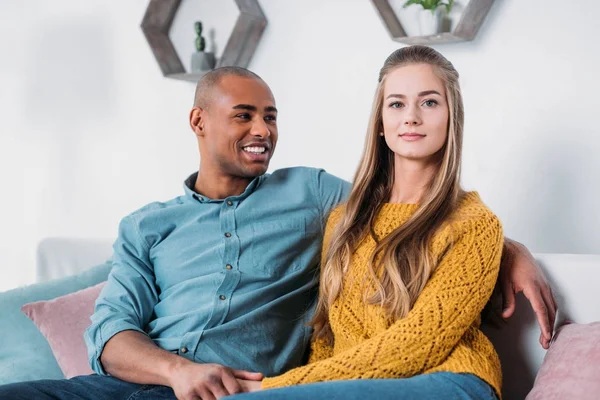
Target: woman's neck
[[411, 178]]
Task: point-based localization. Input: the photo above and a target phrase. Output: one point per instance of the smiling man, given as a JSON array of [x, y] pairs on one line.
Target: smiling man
[[214, 288]]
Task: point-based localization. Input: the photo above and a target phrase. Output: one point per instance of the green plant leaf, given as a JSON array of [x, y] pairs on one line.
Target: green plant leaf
[[411, 2], [448, 5]]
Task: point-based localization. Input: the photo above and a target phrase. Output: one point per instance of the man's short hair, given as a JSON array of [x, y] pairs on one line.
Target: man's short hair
[[211, 79]]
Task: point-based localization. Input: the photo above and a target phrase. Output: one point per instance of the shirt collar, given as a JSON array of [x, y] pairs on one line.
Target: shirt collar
[[190, 183]]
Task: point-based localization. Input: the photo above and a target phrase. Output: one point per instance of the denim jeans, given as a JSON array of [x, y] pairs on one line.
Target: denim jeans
[[94, 387], [440, 385]]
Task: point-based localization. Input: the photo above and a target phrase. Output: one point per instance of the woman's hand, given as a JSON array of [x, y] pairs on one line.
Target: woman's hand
[[250, 386]]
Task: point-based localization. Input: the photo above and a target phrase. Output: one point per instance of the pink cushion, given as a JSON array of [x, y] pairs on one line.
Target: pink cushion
[[63, 321], [571, 368]]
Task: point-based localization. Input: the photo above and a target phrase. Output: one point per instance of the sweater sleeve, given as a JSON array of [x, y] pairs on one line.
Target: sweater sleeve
[[449, 304], [319, 348]]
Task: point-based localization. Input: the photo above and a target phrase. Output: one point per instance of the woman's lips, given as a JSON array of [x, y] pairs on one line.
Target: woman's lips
[[411, 137]]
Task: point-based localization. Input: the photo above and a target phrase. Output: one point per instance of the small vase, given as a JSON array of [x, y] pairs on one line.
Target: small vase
[[430, 23], [202, 61]]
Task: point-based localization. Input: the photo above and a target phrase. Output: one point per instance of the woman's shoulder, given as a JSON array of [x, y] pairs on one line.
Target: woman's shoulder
[[472, 214], [471, 221]]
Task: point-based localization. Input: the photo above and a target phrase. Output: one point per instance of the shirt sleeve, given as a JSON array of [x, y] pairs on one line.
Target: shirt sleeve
[[330, 190], [449, 304], [129, 296]]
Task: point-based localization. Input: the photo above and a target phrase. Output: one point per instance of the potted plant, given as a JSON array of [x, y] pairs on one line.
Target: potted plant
[[430, 16], [201, 60]]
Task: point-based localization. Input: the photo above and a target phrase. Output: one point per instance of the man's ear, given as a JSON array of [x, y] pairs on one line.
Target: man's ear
[[197, 121]]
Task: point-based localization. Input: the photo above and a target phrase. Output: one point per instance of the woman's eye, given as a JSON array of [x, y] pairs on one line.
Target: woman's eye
[[396, 104], [430, 103]]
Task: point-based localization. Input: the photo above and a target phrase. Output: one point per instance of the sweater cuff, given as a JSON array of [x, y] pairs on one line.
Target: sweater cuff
[[272, 383]]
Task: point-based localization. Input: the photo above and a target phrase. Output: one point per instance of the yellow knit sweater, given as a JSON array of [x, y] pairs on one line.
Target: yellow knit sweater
[[440, 333]]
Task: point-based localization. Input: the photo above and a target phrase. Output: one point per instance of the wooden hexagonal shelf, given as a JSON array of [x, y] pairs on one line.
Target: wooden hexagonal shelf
[[471, 19], [238, 51]]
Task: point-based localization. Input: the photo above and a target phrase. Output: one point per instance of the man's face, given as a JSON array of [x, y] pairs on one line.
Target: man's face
[[238, 128]]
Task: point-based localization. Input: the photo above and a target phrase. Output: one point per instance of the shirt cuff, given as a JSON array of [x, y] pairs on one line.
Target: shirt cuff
[[106, 333]]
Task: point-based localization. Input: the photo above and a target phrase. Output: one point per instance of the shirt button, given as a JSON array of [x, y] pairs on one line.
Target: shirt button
[[184, 350], [227, 234], [229, 203], [228, 266], [222, 297]]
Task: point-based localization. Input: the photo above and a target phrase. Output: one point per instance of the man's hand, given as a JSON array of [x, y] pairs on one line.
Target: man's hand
[[192, 381], [520, 273]]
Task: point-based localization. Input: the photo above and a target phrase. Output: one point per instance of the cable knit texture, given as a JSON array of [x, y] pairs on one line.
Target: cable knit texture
[[440, 333]]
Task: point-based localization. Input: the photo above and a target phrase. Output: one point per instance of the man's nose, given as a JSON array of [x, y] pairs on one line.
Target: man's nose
[[260, 128]]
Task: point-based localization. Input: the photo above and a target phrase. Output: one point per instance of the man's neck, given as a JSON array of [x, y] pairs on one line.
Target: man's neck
[[219, 186]]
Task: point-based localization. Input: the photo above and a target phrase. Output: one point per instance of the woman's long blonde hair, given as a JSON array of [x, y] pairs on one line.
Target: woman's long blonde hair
[[401, 263]]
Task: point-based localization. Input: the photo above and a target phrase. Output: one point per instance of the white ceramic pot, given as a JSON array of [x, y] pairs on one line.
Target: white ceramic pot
[[430, 23]]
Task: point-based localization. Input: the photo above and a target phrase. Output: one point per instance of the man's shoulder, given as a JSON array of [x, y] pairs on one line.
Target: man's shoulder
[[155, 207], [301, 173]]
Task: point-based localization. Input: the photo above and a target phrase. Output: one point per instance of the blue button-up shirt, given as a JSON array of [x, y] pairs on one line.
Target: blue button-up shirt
[[229, 281]]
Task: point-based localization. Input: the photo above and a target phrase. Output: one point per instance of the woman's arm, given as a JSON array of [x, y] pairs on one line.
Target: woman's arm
[[451, 301], [319, 350]]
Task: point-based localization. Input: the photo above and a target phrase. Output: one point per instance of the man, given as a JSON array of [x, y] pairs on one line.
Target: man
[[213, 289]]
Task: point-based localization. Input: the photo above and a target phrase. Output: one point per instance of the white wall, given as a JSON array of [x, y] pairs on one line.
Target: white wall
[[90, 130]]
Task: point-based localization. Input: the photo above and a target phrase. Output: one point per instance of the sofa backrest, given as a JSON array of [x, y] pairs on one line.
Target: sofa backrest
[[62, 257], [574, 278], [575, 281]]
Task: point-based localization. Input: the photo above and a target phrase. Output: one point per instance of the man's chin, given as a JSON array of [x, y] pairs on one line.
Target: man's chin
[[255, 170]]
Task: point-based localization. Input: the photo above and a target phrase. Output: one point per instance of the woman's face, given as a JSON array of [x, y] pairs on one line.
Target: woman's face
[[414, 112]]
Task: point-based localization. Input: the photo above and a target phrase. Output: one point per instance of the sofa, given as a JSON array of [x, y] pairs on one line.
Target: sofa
[[65, 266]]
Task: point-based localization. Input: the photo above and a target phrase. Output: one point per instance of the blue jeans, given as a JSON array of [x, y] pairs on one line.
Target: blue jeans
[[440, 385], [84, 387]]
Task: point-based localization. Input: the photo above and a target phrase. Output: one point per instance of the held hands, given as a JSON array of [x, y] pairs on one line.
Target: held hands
[[192, 381], [520, 273]]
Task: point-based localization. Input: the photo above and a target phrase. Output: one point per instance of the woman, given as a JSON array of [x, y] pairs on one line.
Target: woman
[[410, 261]]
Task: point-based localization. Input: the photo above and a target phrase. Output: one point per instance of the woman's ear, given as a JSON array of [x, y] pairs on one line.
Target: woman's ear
[[196, 121]]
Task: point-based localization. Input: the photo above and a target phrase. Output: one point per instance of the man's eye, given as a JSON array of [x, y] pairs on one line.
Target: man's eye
[[430, 103], [396, 104], [270, 118], [243, 116]]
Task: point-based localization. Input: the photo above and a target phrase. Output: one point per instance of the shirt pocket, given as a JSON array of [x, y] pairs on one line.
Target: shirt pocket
[[278, 247]]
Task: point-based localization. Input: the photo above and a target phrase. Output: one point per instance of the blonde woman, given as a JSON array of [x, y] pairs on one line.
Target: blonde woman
[[409, 262]]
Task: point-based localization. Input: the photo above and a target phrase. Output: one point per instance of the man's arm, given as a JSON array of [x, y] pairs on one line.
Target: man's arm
[[330, 191], [151, 364], [119, 346], [133, 357], [520, 273]]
